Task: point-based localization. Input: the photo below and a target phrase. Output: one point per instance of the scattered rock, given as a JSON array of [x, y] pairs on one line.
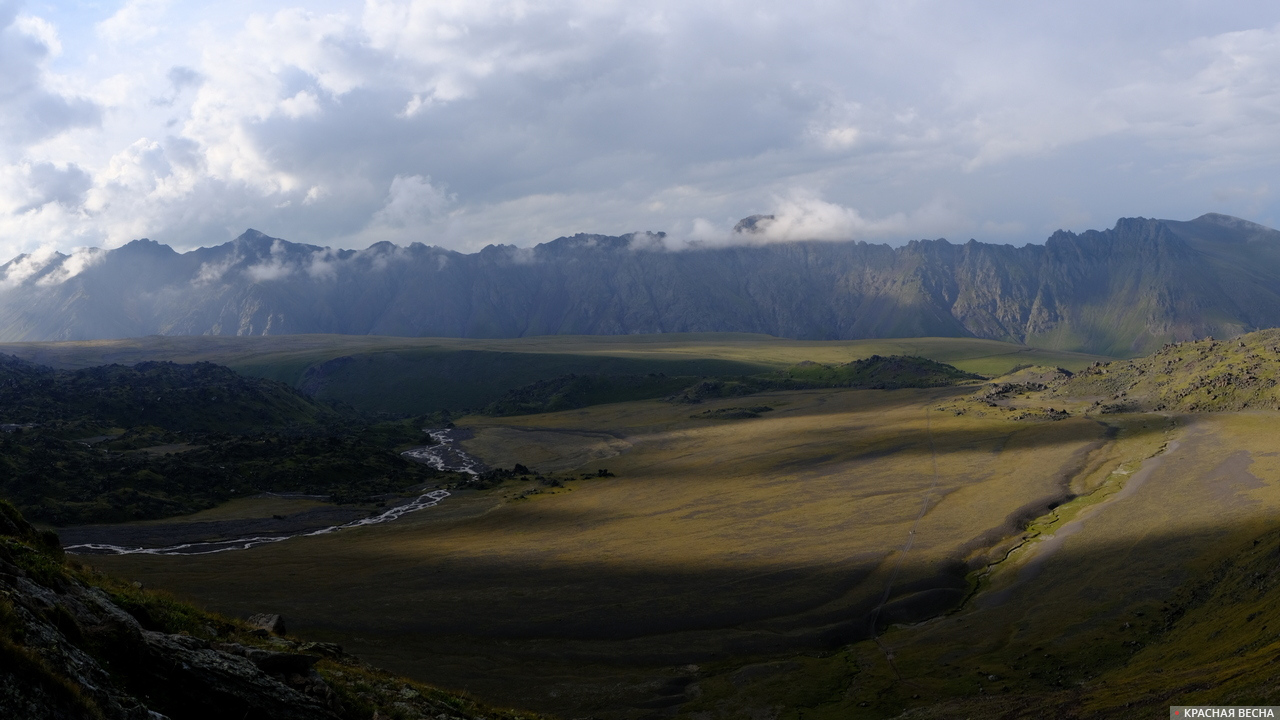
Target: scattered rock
[[333, 650], [273, 624]]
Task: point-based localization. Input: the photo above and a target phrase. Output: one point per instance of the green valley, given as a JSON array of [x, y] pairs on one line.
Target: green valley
[[824, 530]]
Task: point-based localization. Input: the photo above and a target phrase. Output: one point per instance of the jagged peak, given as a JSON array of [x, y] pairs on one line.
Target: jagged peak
[[251, 234], [260, 243], [1126, 231], [585, 240], [255, 239], [753, 224], [146, 245]]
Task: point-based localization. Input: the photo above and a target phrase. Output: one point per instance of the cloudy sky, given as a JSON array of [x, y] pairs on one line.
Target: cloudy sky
[[468, 122]]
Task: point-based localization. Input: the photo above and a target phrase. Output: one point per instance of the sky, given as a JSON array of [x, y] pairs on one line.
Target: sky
[[464, 123]]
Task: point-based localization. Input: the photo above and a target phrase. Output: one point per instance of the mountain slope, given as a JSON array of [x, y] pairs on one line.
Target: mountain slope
[[1122, 291]]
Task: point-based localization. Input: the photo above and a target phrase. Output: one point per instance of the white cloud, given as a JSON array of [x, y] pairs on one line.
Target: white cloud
[[80, 260], [40, 30], [29, 109], [277, 266], [212, 272], [304, 104], [323, 264], [346, 122], [803, 215], [840, 138], [135, 21], [24, 267], [411, 201]]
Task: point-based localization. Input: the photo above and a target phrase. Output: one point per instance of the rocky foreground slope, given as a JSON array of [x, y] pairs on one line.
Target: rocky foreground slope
[[1120, 292], [74, 644]]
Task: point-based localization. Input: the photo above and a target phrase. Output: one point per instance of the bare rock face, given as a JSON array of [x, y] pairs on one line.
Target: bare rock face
[[200, 677]]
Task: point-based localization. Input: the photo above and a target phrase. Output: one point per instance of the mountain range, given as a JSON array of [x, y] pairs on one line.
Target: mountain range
[[1123, 291]]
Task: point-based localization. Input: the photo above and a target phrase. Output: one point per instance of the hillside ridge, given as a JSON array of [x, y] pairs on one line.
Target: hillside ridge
[[79, 644], [1122, 292]]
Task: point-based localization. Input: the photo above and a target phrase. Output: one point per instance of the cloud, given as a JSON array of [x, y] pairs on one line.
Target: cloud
[[29, 109], [806, 217], [40, 30], [276, 267], [212, 272], [80, 260], [135, 21], [28, 186], [25, 267], [504, 121], [802, 215], [411, 201], [323, 264], [183, 77]]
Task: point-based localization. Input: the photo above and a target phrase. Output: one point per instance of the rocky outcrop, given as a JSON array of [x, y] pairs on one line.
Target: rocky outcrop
[[1122, 291], [79, 654], [1204, 376]]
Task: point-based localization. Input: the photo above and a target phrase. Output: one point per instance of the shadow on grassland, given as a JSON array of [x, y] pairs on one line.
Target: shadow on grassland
[[1117, 612], [505, 629], [421, 381], [1119, 630]]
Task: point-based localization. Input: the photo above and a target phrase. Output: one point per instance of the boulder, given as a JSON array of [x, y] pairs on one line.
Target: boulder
[[272, 623]]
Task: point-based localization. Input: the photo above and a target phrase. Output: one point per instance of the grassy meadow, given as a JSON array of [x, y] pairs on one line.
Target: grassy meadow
[[1153, 590], [715, 539]]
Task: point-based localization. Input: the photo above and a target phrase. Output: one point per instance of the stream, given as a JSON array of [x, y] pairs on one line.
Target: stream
[[444, 455]]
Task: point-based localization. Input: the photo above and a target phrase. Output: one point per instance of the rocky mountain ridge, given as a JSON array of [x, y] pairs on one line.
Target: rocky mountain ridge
[[1122, 291]]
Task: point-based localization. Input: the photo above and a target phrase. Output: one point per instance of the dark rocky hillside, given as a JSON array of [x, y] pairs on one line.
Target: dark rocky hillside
[[880, 373], [75, 644], [1123, 291], [116, 443], [195, 397]]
